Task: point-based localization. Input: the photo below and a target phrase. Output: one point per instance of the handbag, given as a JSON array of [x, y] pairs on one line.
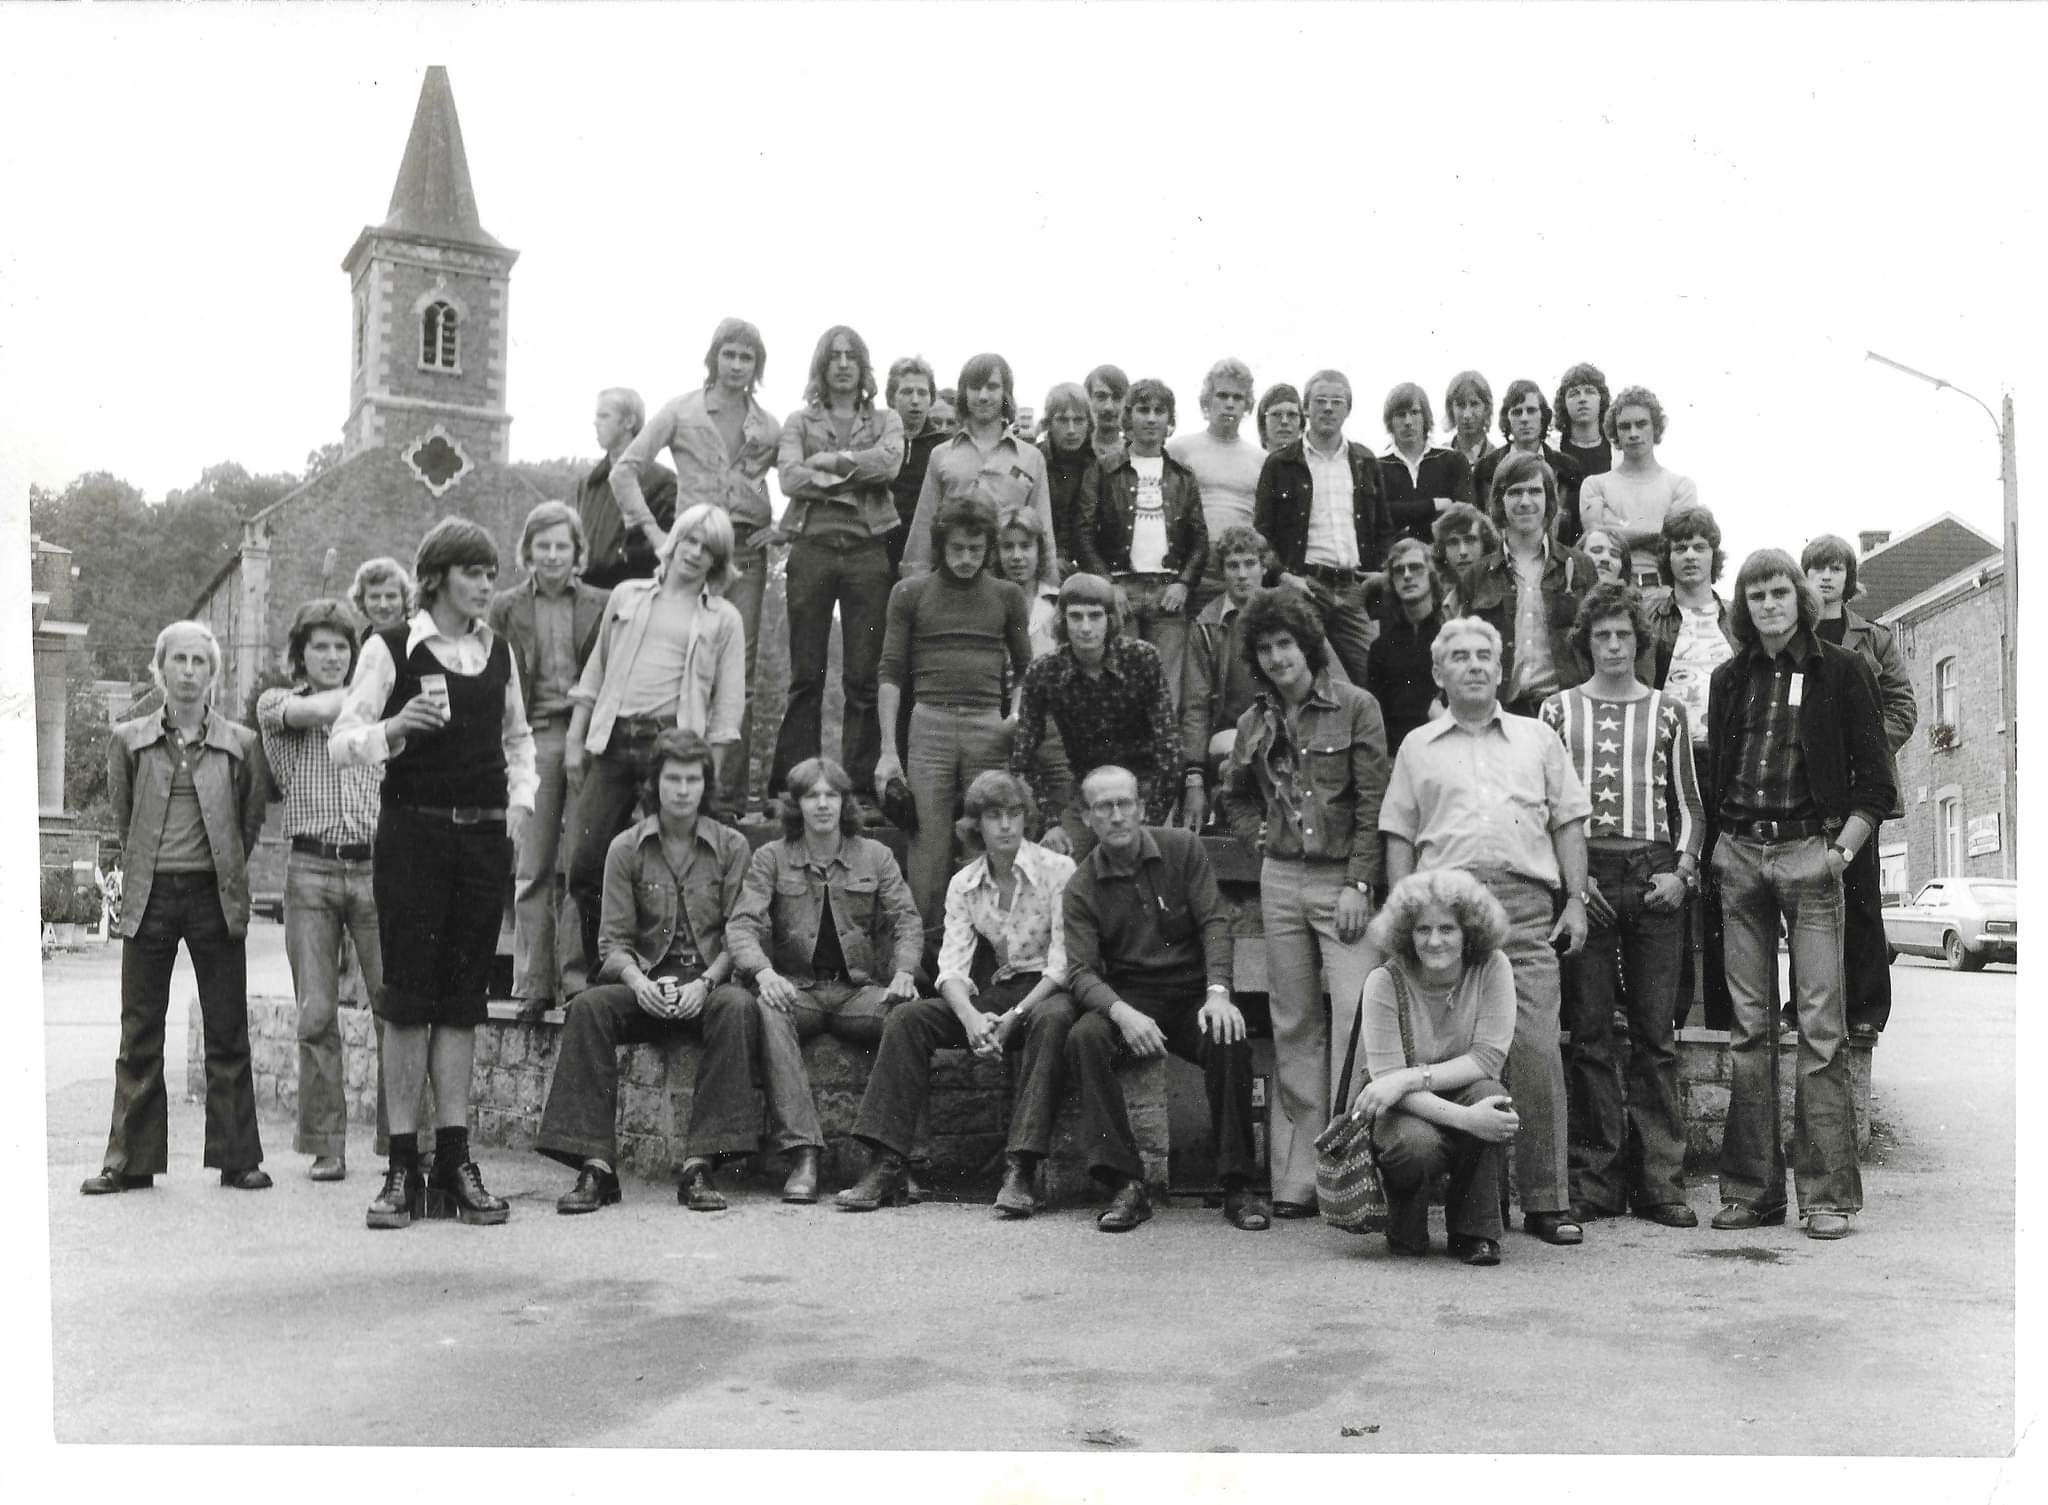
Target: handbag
[[1349, 1189]]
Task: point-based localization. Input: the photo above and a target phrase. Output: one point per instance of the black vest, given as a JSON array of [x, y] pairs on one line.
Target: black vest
[[464, 762]]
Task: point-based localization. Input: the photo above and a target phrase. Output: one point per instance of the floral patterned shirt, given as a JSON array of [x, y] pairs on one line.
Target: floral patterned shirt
[[1124, 717], [1027, 937]]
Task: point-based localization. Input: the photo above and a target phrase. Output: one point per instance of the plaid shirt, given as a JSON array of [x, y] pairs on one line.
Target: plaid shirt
[[332, 804], [1767, 777], [1125, 718]]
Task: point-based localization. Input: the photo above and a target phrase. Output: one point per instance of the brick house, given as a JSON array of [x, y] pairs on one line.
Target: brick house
[[427, 431], [1958, 774]]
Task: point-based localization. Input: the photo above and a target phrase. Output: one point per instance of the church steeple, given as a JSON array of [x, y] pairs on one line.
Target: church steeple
[[429, 288]]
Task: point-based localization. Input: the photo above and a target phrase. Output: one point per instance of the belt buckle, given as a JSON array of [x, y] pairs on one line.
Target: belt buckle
[[466, 815], [1768, 830]]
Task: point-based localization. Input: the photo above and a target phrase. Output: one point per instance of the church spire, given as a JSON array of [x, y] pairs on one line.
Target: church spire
[[433, 195]]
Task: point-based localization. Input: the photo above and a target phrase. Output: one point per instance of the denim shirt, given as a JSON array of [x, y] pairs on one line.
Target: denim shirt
[[705, 470], [783, 903], [1316, 795], [232, 786], [876, 447], [640, 897]]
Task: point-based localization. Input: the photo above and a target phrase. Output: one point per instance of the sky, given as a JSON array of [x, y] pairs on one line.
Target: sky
[[1727, 205]]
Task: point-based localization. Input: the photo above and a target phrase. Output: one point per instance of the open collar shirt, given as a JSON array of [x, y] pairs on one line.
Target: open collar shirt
[[1027, 936], [338, 805]]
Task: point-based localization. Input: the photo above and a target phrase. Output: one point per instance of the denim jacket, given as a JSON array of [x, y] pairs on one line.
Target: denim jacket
[[640, 895], [783, 902], [1319, 799], [876, 447], [1488, 587], [232, 785]]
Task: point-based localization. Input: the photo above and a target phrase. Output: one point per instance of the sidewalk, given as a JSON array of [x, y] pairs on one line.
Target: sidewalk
[[194, 1314]]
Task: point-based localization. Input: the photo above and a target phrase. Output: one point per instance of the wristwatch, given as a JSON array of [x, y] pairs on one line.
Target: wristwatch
[[1363, 886]]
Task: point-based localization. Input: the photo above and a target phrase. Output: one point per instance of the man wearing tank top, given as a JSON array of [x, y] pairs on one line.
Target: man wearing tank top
[[1225, 464]]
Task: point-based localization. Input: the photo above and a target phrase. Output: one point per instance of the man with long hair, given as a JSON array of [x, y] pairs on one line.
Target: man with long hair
[[838, 456], [1801, 779], [984, 460], [1525, 420]]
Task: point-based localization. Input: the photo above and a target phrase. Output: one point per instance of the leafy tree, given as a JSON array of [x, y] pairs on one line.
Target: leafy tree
[[86, 725]]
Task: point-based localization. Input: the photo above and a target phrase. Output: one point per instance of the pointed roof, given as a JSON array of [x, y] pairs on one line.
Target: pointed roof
[[433, 195], [1918, 560]]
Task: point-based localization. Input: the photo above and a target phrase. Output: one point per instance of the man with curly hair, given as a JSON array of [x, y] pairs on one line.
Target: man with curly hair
[[1634, 498]]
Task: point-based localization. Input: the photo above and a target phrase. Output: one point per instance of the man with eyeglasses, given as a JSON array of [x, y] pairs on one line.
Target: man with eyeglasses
[[1323, 507], [1145, 930]]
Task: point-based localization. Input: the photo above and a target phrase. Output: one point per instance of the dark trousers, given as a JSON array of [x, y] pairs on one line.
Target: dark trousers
[[1866, 974], [1095, 1046], [581, 1121], [895, 1096], [183, 907], [604, 807], [1413, 1152], [440, 892], [854, 575], [1630, 965]]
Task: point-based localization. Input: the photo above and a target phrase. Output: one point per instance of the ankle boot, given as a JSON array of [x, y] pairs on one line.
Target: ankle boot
[[802, 1185], [1017, 1198], [884, 1185], [458, 1192]]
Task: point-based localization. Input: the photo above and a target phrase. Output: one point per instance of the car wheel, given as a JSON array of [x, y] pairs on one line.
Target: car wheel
[[1959, 959]]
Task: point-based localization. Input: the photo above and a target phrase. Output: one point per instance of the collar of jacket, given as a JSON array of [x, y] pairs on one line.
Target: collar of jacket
[[1031, 862], [1803, 646], [1123, 462], [649, 827], [1109, 865], [1219, 611]]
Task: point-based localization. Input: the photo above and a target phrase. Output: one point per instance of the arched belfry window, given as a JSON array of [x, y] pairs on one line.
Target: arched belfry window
[[438, 337]]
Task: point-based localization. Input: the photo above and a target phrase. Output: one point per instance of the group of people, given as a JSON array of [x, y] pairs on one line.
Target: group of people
[[1511, 763]]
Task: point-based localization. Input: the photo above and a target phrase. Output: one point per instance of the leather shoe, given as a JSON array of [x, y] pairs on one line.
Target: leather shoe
[[882, 1185], [108, 1182], [1553, 1227], [458, 1192], [255, 1178], [328, 1168], [1827, 1225], [1127, 1209], [1407, 1246], [697, 1187], [1474, 1250], [1670, 1214], [1017, 1199], [1246, 1209], [594, 1188], [1293, 1211], [401, 1199], [1736, 1216], [1863, 1034], [914, 1189], [802, 1185]]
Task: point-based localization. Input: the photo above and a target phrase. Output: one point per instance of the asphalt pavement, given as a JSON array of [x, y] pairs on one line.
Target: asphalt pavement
[[193, 1314]]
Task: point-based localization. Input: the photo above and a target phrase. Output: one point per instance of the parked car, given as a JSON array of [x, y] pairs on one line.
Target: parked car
[[1966, 921]]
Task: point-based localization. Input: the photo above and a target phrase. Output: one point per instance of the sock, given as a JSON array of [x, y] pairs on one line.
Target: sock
[[602, 1167], [405, 1152], [451, 1149]]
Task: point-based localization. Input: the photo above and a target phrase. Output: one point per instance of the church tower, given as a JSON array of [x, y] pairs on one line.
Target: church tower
[[429, 334]]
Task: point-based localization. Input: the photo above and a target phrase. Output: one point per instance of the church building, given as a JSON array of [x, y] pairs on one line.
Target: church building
[[427, 431]]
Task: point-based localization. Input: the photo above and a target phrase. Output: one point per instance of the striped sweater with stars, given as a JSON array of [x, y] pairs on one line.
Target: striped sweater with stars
[[1634, 758]]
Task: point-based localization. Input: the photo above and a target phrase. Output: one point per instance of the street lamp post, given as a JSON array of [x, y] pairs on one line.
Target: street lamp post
[[2009, 478]]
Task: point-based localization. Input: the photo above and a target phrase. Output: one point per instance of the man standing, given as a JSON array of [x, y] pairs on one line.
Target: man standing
[[1630, 748], [1494, 794], [1635, 497], [1217, 683], [1399, 673], [1830, 565], [1582, 403], [1145, 929], [1107, 386], [185, 787], [909, 391], [618, 552], [1106, 695], [723, 443], [985, 460], [1524, 420], [551, 619], [1468, 402], [1801, 781], [1422, 482], [1303, 786], [951, 634], [1226, 465], [1141, 525], [1323, 508], [330, 819], [837, 458]]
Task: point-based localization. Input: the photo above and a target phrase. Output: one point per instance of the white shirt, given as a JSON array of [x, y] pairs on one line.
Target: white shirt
[[358, 740], [1148, 522], [1029, 936], [1332, 531], [1700, 649], [1414, 465], [1227, 470]]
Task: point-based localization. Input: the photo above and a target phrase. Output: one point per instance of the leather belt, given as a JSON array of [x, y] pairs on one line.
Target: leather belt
[[459, 815], [1775, 830], [1330, 574], [333, 851]]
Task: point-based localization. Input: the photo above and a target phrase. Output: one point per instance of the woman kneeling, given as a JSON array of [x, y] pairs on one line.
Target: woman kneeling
[[1438, 1016]]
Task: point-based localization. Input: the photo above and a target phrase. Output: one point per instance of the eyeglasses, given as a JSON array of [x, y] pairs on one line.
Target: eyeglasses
[[1411, 567]]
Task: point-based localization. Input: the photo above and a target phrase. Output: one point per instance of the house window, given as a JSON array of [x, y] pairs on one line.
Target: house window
[[437, 337], [1948, 696], [1948, 827]]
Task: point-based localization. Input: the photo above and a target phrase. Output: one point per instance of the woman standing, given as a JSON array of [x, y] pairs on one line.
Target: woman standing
[[436, 703], [1438, 1016]]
